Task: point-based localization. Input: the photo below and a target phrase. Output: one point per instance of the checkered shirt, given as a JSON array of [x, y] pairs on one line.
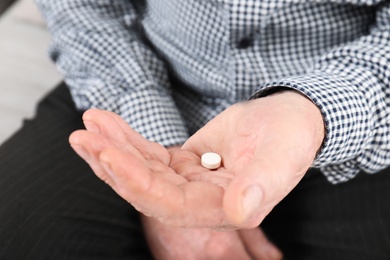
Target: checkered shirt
[[121, 55]]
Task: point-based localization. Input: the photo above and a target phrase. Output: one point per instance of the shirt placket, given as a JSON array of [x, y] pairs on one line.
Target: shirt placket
[[245, 21]]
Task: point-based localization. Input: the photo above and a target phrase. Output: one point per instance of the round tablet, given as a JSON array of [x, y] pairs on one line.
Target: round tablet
[[211, 160]]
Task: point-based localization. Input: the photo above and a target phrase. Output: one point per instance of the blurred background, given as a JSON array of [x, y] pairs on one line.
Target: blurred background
[[26, 73]]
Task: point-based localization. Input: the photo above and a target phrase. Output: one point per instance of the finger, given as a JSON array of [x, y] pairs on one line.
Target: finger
[[100, 122], [256, 190], [226, 245], [88, 146], [173, 200], [116, 129], [104, 122], [258, 246]]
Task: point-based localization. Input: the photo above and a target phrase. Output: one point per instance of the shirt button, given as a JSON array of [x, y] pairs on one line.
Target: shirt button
[[245, 43]]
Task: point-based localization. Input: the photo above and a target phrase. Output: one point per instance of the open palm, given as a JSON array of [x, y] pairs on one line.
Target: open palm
[[141, 161], [266, 145]]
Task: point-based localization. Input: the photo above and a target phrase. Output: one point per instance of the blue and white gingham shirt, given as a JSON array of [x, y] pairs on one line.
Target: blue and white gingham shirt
[[117, 55]]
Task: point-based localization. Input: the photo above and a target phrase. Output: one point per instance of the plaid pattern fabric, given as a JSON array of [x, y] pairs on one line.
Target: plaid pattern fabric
[[336, 52]]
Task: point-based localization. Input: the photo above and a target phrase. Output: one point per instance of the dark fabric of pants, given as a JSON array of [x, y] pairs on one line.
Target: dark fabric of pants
[[318, 220], [51, 204], [53, 207]]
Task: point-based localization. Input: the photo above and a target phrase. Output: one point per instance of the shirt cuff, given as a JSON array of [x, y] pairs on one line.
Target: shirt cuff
[[346, 117]]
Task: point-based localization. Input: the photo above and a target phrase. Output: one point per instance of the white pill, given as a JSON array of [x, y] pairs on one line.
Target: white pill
[[211, 160]]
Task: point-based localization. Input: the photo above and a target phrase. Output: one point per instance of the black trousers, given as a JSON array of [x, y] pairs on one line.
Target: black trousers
[[53, 207]]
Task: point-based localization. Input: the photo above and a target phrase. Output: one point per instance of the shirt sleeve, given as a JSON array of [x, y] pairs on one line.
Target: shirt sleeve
[[351, 87], [97, 48]]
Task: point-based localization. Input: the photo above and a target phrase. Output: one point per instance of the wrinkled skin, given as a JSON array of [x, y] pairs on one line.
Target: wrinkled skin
[[266, 144]]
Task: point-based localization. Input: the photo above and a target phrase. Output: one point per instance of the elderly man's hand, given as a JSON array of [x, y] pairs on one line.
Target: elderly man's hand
[[266, 145], [107, 131]]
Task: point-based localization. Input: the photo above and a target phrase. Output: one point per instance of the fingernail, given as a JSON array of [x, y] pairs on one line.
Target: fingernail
[[252, 198], [80, 150], [91, 126]]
